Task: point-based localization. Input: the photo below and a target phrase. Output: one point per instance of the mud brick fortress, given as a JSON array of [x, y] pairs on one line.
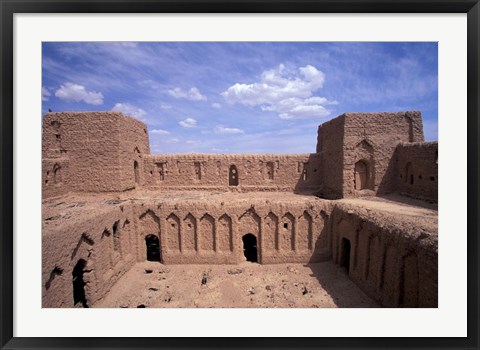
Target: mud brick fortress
[[109, 204]]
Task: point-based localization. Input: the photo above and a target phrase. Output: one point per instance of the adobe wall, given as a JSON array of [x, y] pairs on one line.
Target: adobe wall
[[111, 237], [99, 148], [55, 177], [330, 149], [395, 263], [417, 170], [211, 233], [265, 172], [103, 238], [392, 258], [363, 139]]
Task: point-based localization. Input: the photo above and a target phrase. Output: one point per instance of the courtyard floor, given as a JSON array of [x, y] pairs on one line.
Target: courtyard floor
[[248, 285]]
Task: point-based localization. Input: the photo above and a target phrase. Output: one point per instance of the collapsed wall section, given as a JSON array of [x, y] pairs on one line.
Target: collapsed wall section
[[265, 172], [417, 170]]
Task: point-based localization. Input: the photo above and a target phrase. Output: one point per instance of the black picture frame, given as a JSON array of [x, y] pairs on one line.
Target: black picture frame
[[7, 10]]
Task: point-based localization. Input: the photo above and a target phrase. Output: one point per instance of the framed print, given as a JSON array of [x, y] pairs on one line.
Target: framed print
[[250, 175]]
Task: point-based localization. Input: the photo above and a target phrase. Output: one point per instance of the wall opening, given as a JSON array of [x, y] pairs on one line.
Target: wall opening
[[305, 172], [57, 175], [153, 248], [361, 176], [79, 283], [250, 247], [198, 170], [137, 173], [116, 236], [270, 170], [161, 171], [345, 255], [233, 176]]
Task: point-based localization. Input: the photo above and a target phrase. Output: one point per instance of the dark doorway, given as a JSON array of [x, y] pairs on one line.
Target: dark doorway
[[250, 247], [137, 174], [153, 248], [233, 176], [345, 256], [79, 283]]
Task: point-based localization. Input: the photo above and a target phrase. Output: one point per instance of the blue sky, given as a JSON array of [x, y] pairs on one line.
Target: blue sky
[[240, 97]]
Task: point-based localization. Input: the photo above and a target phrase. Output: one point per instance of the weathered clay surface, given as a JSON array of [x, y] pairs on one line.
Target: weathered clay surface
[[109, 207]]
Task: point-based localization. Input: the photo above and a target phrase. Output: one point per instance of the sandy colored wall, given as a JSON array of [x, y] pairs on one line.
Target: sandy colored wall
[[395, 269], [417, 170], [134, 145], [102, 238], [372, 138], [330, 149], [200, 233], [55, 177], [110, 239], [266, 172], [98, 146]]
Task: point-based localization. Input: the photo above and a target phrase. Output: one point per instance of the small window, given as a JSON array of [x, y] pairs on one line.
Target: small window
[[285, 225]]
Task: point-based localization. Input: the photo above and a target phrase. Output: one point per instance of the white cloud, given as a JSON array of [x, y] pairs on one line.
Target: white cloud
[[216, 105], [174, 140], [165, 106], [131, 110], [219, 129], [193, 94], [188, 123], [286, 92], [295, 107], [159, 132], [77, 93], [45, 94]]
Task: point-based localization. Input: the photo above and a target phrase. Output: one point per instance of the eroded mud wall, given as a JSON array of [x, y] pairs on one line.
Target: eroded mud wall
[[264, 172], [100, 148], [417, 170], [330, 141], [93, 252], [371, 139], [202, 232], [394, 264]]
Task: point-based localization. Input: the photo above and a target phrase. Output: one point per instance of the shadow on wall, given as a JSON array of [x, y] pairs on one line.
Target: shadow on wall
[[309, 178], [412, 172], [323, 242], [389, 180]]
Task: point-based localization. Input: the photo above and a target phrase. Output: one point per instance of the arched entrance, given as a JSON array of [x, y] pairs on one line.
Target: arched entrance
[[79, 283], [250, 247], [345, 254], [233, 176], [153, 248], [361, 175]]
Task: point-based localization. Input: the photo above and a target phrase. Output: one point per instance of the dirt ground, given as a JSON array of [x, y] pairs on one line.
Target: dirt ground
[[248, 285]]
